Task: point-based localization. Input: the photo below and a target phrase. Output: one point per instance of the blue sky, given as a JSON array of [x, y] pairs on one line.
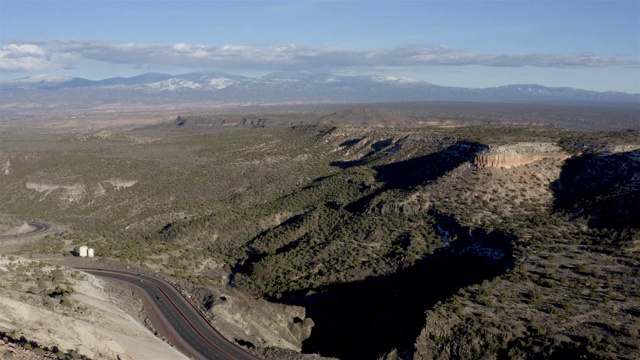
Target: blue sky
[[592, 45]]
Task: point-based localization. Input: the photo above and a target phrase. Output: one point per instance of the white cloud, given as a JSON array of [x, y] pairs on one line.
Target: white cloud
[[65, 52], [22, 58], [32, 57]]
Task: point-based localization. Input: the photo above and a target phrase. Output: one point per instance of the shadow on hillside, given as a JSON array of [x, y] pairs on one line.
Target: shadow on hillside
[[416, 171], [605, 189], [363, 319], [254, 256]]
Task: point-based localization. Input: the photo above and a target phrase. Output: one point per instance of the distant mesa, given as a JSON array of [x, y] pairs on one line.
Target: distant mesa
[[227, 121], [369, 115]]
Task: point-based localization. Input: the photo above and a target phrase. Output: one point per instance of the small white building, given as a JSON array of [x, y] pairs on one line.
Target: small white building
[[90, 252], [83, 250]]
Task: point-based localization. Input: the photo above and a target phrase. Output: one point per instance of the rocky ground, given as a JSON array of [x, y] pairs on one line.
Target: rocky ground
[[274, 331], [55, 306], [101, 319], [10, 351]]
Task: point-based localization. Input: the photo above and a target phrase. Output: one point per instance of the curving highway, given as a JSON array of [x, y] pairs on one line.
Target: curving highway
[[40, 227], [179, 320]]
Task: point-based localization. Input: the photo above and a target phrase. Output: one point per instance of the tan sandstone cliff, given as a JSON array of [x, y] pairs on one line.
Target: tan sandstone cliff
[[508, 156]]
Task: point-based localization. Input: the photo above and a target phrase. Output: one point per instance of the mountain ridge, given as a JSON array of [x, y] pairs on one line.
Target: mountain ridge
[[302, 86]]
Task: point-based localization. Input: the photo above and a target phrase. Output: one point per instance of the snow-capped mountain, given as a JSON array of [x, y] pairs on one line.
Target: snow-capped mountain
[[174, 84], [286, 86]]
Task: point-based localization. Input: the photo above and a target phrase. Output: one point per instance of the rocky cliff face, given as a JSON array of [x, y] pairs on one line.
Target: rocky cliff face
[[508, 156], [255, 323]]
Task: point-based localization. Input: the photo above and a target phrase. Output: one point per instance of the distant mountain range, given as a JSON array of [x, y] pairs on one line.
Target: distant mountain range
[[156, 88]]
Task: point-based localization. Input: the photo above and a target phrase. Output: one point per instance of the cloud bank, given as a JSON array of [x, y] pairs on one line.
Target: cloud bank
[[68, 54], [33, 58]]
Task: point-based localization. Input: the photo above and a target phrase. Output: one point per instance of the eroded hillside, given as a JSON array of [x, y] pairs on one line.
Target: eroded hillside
[[76, 314], [431, 242]]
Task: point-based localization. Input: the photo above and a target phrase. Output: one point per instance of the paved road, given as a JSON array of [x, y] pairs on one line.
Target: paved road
[[39, 228], [195, 336]]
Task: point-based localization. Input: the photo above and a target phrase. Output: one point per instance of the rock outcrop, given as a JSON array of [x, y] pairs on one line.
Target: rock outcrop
[[10, 162], [255, 323], [508, 156], [70, 191]]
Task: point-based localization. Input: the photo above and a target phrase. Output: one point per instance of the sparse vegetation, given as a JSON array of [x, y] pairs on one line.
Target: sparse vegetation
[[305, 214]]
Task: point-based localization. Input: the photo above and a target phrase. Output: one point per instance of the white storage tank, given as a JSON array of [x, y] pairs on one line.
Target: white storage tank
[[83, 250], [90, 252]]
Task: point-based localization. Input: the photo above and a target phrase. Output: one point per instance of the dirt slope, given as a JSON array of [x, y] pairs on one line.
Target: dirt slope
[[86, 317]]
